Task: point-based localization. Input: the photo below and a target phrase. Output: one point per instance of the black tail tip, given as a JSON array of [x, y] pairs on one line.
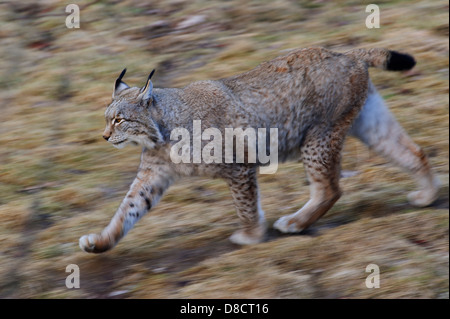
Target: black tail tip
[[400, 62]]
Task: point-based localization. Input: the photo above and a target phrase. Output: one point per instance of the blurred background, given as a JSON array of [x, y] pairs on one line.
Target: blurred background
[[60, 180]]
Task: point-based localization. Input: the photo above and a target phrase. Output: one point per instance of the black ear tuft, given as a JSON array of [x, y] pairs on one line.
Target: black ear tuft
[[119, 79], [151, 74], [400, 61], [148, 83]]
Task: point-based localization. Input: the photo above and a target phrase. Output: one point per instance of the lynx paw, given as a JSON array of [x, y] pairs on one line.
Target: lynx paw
[[425, 197], [422, 198], [287, 224], [87, 243], [248, 237]]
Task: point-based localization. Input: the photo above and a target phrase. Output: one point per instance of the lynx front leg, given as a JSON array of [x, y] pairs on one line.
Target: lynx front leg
[[144, 193], [321, 159], [244, 189], [377, 128]]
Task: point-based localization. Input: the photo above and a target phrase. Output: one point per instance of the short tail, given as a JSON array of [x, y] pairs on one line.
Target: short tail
[[384, 59]]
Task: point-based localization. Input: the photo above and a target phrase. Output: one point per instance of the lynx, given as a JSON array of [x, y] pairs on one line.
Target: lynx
[[315, 97]]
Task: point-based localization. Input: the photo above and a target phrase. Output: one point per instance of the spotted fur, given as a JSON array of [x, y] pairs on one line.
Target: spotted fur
[[311, 95]]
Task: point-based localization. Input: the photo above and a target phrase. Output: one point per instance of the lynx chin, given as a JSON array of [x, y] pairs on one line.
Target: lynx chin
[[314, 97]]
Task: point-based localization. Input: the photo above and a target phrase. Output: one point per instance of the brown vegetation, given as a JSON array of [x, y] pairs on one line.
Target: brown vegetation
[[59, 179]]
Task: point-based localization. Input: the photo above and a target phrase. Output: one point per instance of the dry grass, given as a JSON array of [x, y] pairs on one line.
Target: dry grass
[[59, 180]]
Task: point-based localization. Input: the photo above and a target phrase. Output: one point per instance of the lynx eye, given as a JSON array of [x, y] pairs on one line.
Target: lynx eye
[[117, 121]]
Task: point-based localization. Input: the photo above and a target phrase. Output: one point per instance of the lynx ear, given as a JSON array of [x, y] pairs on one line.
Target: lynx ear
[[146, 91], [119, 86]]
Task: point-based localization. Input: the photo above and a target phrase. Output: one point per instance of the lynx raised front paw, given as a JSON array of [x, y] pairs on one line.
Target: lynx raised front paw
[[93, 244]]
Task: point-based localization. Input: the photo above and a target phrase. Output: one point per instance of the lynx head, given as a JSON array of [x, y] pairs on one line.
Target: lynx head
[[128, 117]]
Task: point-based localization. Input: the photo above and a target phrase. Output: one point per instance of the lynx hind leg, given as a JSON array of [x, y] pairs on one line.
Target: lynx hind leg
[[379, 130], [321, 159], [244, 190]]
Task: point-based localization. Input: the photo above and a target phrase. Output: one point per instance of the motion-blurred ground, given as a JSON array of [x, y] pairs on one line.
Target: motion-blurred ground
[[60, 180]]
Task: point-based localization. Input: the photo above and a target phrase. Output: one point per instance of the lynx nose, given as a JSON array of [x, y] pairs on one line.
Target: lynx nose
[[106, 133]]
